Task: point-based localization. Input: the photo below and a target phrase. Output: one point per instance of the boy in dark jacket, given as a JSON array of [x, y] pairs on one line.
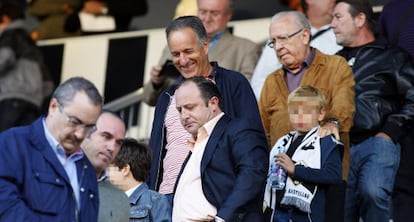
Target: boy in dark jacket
[[310, 162]]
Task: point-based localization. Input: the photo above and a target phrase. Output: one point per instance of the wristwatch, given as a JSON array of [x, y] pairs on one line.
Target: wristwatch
[[334, 121]]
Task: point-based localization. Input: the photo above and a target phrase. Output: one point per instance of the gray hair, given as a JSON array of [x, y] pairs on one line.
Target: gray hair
[[298, 17], [192, 22], [65, 92]]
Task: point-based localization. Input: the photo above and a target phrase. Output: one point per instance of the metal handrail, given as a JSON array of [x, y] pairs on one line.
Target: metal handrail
[[125, 101], [127, 107]]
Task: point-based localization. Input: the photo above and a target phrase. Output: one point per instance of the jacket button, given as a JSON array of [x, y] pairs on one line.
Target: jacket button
[[57, 180], [91, 196], [82, 189]]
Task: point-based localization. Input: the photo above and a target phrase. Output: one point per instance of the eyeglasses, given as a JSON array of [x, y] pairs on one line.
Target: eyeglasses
[[76, 123], [282, 39]]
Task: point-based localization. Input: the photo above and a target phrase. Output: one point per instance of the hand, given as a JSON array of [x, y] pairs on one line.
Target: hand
[[156, 79], [68, 9], [286, 163], [93, 7], [383, 135], [328, 129], [34, 35]]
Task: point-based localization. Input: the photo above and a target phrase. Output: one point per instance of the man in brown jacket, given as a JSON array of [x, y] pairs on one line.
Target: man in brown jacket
[[303, 65]]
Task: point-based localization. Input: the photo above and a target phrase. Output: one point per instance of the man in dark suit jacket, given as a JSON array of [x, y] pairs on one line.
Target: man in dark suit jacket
[[187, 39], [226, 169]]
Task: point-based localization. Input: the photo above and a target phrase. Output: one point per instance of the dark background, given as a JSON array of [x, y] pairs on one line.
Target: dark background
[[162, 11]]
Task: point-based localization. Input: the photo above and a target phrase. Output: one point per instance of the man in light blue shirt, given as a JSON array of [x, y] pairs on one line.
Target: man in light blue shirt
[[44, 175]]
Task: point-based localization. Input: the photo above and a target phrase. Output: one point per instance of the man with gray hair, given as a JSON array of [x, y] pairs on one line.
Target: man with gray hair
[[188, 44], [304, 65], [44, 175], [231, 52], [319, 14]]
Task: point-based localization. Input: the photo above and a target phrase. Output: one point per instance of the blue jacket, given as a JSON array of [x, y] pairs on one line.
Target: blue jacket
[[34, 185], [238, 101], [148, 205], [233, 170]]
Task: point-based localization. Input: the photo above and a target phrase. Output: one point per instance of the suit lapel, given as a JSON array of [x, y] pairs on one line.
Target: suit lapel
[[40, 143], [181, 170], [221, 46], [213, 141]]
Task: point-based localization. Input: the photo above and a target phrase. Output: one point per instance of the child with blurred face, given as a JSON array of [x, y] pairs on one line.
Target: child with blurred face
[[306, 107], [311, 162]]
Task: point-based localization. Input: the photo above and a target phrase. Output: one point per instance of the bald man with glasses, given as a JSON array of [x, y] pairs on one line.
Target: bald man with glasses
[[44, 175], [302, 64]]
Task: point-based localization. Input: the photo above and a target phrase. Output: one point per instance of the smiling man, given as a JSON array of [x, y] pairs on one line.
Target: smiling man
[[188, 44], [230, 51], [101, 148]]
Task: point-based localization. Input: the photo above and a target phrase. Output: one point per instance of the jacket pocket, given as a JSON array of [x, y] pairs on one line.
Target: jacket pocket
[[48, 192], [141, 214]]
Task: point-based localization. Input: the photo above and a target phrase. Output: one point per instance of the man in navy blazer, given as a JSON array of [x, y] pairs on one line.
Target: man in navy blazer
[[226, 169], [188, 43], [44, 175]]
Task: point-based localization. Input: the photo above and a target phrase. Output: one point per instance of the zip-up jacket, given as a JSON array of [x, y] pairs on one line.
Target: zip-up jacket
[[238, 101], [384, 91]]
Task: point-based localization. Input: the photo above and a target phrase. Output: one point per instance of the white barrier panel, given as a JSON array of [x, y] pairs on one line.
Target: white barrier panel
[[88, 56]]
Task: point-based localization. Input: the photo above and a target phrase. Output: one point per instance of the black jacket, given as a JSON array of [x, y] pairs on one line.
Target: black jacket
[[384, 90]]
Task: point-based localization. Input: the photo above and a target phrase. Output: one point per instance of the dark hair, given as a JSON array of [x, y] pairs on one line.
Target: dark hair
[[361, 6], [304, 6], [11, 10], [114, 114], [192, 22], [137, 155], [208, 88], [65, 92]]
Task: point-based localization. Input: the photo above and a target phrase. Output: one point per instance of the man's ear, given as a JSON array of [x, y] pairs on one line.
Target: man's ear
[[126, 170], [214, 101], [360, 20], [306, 36], [205, 47]]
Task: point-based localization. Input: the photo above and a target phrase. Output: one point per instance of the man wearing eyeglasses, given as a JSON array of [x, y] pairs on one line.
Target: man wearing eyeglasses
[[44, 175], [319, 14], [304, 65]]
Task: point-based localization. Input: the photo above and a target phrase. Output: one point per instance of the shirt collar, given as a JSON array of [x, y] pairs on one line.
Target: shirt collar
[[57, 148], [209, 126], [306, 63], [130, 191], [214, 39]]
